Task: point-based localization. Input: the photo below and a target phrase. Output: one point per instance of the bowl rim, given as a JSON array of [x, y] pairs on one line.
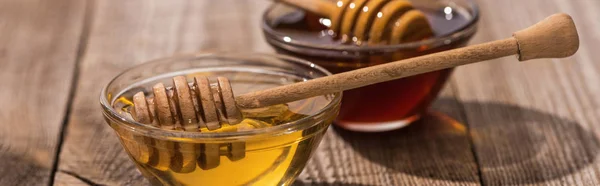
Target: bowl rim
[[281, 40]]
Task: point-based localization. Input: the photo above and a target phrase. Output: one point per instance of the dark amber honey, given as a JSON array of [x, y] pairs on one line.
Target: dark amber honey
[[383, 106]]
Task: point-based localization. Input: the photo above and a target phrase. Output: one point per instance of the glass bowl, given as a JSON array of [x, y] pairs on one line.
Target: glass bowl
[[272, 155]]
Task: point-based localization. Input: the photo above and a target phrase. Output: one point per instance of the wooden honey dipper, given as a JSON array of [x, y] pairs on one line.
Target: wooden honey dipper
[[200, 105], [374, 21], [553, 37], [182, 107]]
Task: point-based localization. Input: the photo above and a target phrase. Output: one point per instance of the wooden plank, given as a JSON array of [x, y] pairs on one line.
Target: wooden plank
[[434, 151], [126, 33], [38, 49], [535, 122]]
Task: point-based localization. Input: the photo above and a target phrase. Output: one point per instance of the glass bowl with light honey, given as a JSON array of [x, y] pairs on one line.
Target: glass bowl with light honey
[[270, 146], [362, 33]]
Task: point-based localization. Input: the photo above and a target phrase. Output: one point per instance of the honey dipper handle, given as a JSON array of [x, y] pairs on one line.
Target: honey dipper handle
[[320, 7], [554, 37]]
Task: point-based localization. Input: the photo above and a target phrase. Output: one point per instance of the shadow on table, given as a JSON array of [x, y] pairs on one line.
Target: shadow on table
[[515, 145], [28, 167]]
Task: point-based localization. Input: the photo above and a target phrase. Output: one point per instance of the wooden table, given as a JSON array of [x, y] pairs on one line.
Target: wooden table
[[496, 123]]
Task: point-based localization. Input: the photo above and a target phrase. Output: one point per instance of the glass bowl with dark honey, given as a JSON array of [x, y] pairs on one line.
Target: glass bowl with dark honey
[[445, 25]]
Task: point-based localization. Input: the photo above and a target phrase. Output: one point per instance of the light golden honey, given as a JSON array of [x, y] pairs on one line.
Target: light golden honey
[[257, 160], [265, 162]]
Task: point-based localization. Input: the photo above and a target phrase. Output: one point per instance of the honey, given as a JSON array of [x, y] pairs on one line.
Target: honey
[[378, 107]]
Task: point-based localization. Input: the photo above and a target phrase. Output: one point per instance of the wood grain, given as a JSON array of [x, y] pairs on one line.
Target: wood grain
[[532, 123], [38, 48], [124, 34], [537, 122]]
